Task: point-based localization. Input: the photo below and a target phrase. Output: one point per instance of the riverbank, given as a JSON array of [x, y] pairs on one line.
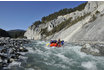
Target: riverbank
[[10, 50]]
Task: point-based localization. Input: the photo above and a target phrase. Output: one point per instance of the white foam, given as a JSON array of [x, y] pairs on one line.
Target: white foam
[[41, 42], [30, 50], [30, 69], [62, 56], [14, 63], [0, 60], [22, 57], [22, 53], [46, 47], [90, 65], [62, 66], [76, 49], [65, 60]]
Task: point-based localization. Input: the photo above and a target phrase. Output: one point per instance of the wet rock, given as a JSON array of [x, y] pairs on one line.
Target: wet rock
[[10, 50], [15, 57], [2, 44], [4, 51], [4, 64], [10, 60], [93, 49], [3, 57], [23, 49]]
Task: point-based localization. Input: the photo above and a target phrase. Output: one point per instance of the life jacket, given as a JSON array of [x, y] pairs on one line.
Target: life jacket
[[53, 41], [55, 44], [62, 42]]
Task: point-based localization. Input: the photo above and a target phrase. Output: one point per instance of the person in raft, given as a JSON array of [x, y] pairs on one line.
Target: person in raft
[[59, 42], [56, 43]]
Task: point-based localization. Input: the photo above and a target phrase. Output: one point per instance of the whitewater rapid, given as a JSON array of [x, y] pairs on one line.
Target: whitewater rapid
[[68, 57]]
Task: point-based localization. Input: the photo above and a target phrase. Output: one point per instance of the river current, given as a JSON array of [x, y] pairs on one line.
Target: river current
[[68, 57]]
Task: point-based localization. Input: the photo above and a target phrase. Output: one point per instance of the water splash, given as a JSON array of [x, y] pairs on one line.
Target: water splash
[[69, 57]]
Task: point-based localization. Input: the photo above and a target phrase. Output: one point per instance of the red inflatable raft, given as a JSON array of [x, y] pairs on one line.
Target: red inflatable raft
[[55, 45]]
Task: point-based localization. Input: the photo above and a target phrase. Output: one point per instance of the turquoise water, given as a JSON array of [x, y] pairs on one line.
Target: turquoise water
[[69, 57]]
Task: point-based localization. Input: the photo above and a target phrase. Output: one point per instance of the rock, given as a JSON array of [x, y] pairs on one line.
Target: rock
[[4, 51], [34, 32], [93, 49], [4, 64], [23, 49], [2, 44], [3, 57], [15, 57], [10, 60], [10, 50]]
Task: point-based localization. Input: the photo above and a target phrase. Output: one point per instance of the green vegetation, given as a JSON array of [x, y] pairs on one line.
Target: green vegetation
[[56, 28], [44, 31], [37, 23], [3, 33], [12, 33], [97, 12], [93, 18], [16, 33], [77, 20], [64, 24], [65, 11]]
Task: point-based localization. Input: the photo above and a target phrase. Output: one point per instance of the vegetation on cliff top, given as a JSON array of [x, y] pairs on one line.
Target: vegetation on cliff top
[[64, 24], [65, 11]]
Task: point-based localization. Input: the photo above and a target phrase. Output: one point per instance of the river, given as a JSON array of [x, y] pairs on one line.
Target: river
[[68, 57]]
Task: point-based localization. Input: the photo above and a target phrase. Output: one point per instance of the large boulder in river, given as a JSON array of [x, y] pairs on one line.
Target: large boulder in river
[[93, 49]]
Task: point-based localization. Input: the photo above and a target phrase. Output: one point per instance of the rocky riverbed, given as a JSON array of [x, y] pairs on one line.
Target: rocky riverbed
[[10, 50]]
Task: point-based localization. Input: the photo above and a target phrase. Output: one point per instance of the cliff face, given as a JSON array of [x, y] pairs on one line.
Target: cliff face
[[35, 32], [83, 25]]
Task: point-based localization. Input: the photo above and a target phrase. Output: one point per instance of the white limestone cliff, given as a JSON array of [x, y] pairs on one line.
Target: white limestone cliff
[[90, 28]]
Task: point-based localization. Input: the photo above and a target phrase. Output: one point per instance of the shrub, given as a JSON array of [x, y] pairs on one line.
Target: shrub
[[64, 24], [77, 19], [37, 23], [56, 28], [63, 12], [97, 12], [93, 18]]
